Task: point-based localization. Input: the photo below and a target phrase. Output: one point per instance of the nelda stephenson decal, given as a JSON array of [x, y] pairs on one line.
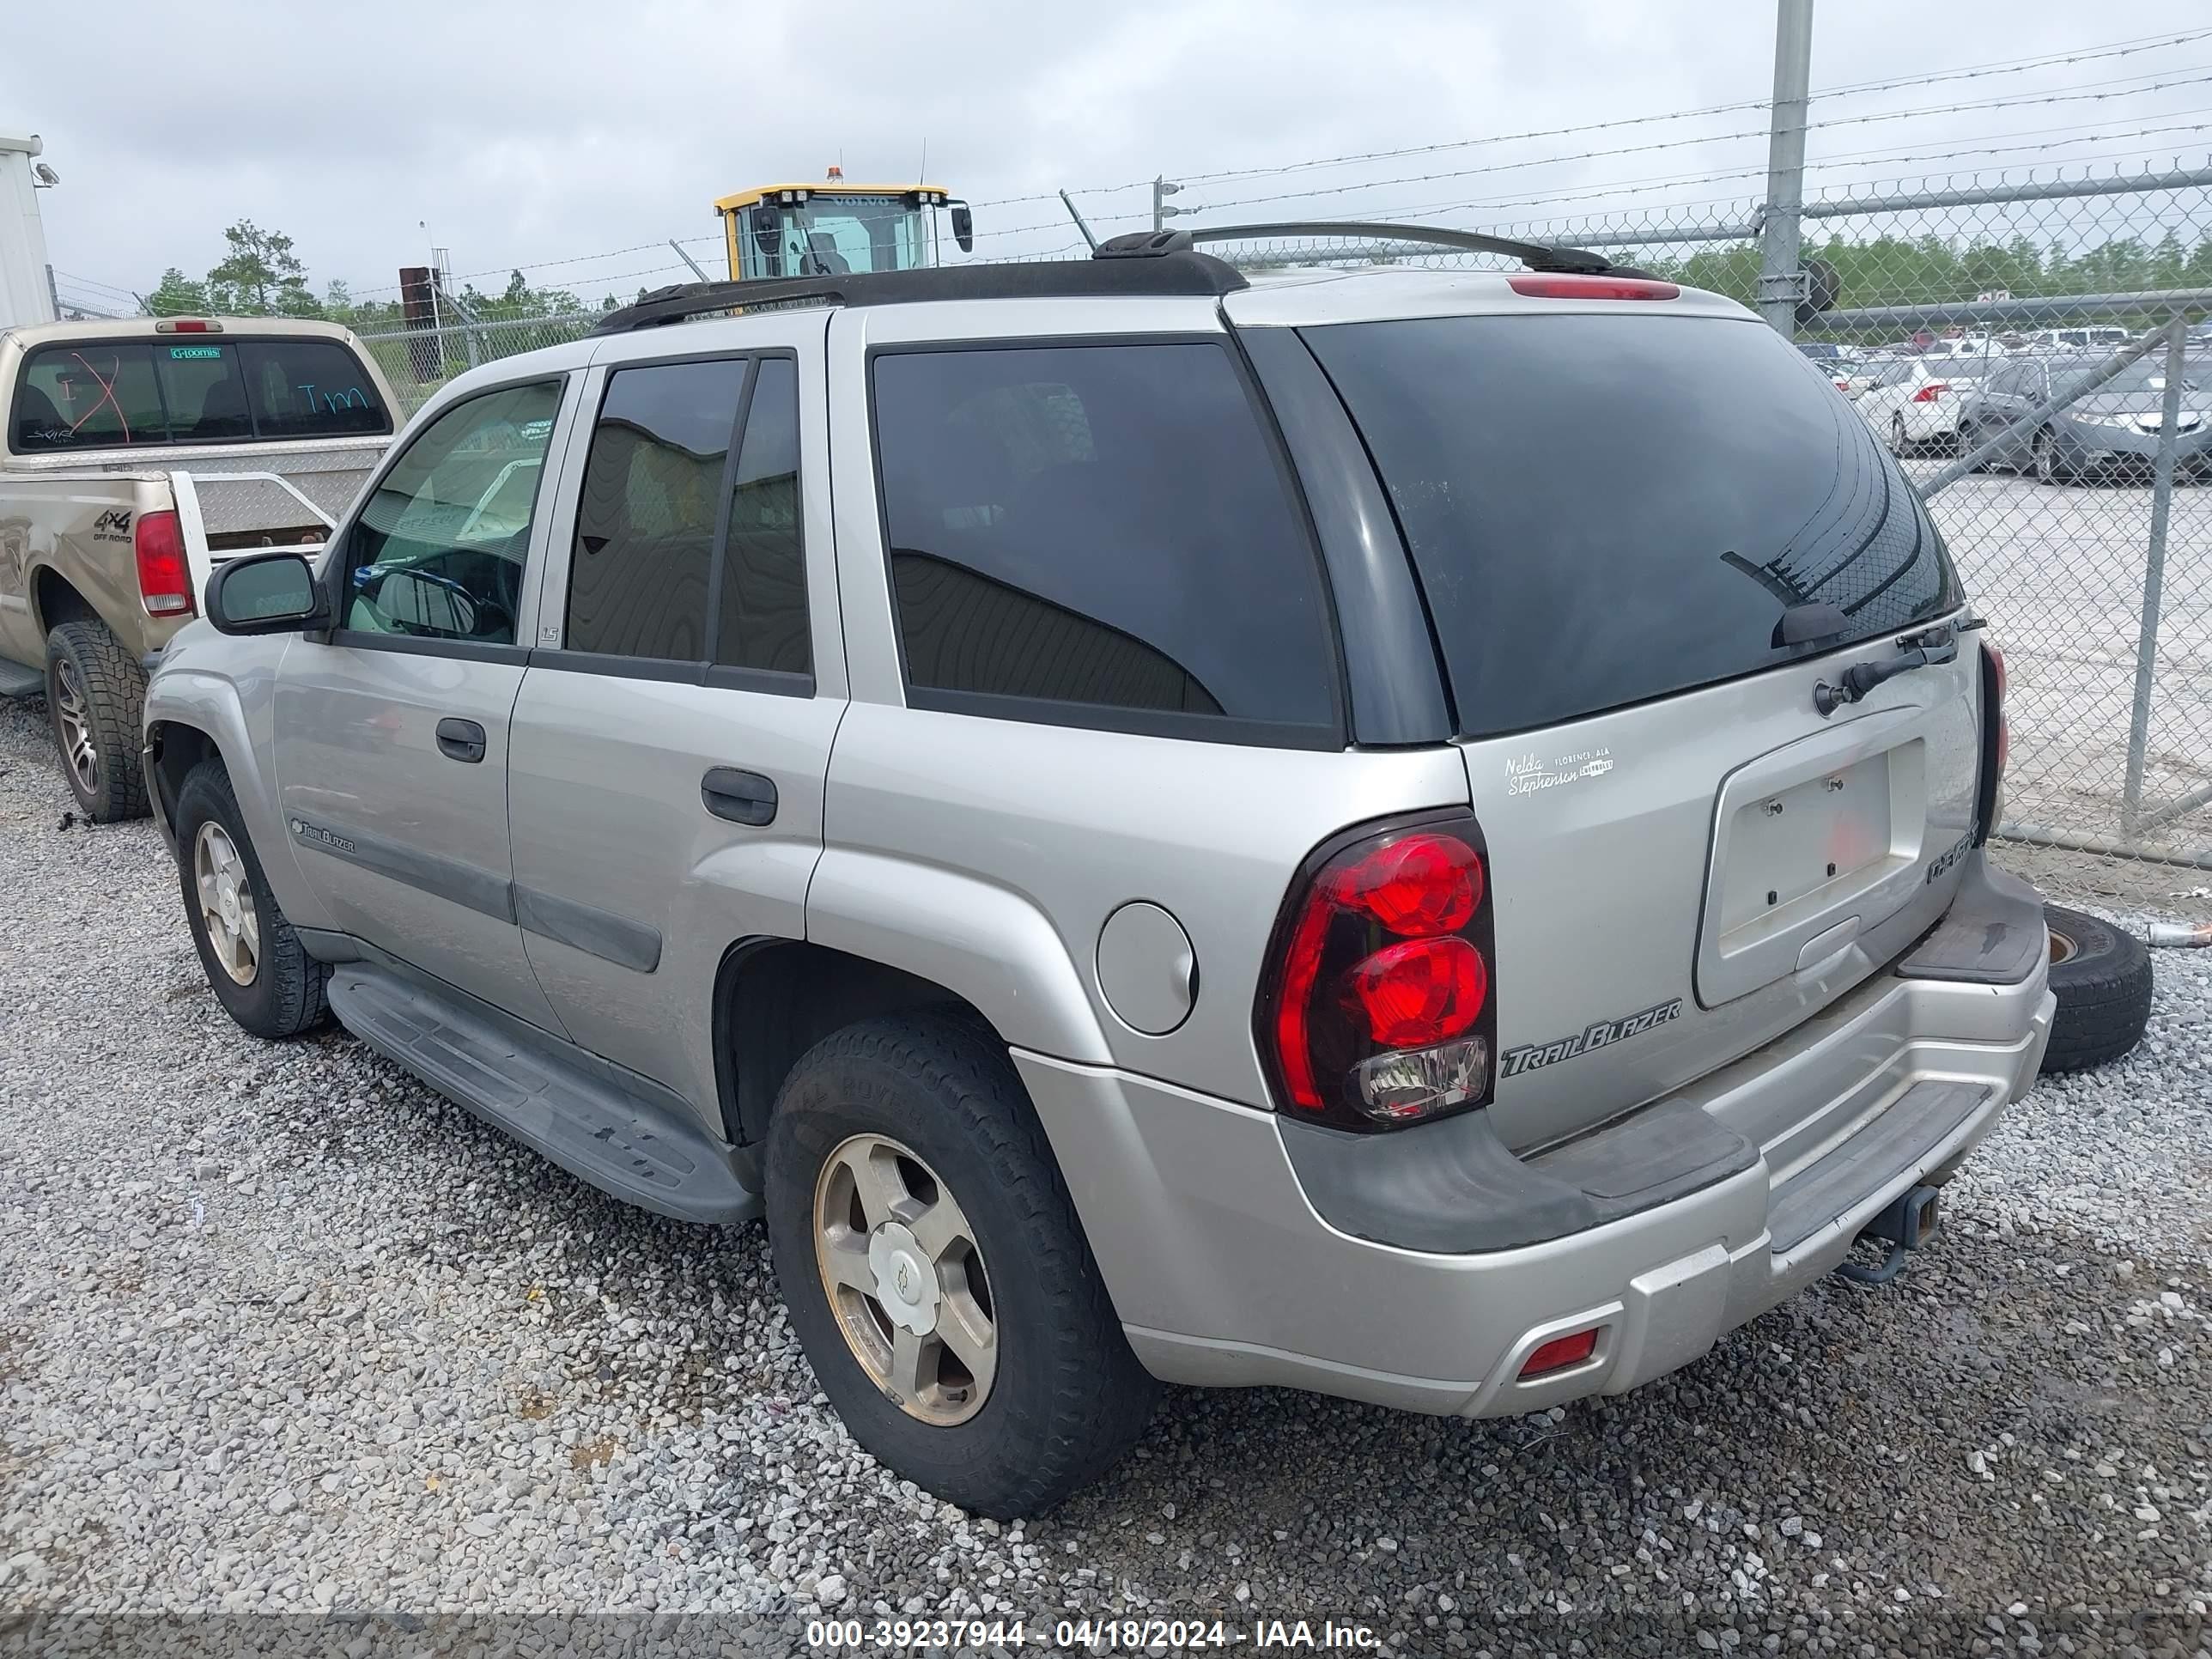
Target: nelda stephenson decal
[[1536, 1055]]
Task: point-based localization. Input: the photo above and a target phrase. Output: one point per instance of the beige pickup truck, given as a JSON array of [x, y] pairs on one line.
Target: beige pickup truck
[[138, 455]]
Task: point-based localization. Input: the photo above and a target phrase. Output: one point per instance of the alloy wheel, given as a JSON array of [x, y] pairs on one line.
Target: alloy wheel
[[73, 715], [904, 1276], [226, 901]]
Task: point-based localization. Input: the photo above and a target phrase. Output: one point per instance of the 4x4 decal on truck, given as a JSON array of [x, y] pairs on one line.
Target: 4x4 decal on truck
[[112, 525], [1536, 1055]]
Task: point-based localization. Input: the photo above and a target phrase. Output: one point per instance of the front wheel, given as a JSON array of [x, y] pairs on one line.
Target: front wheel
[[254, 959], [96, 698], [935, 1272]]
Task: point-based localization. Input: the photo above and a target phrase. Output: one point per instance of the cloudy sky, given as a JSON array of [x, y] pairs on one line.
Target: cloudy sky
[[525, 134]]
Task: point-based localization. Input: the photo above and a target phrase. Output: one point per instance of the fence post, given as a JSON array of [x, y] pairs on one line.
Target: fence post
[[1779, 280], [2161, 506]]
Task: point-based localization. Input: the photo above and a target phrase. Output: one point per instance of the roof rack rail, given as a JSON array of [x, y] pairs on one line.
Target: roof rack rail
[[1537, 256], [1186, 273]]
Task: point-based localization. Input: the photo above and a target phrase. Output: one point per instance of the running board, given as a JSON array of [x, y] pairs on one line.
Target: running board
[[17, 681], [626, 1146]]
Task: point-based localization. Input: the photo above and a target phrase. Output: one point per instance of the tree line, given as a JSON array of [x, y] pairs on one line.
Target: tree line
[[262, 275]]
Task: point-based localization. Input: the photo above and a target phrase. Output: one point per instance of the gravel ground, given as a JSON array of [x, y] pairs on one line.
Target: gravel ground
[[282, 1330]]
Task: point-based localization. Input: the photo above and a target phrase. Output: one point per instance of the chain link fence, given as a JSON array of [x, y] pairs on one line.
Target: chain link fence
[[2085, 536]]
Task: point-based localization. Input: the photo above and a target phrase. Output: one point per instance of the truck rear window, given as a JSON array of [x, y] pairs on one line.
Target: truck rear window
[[1605, 509], [188, 389]]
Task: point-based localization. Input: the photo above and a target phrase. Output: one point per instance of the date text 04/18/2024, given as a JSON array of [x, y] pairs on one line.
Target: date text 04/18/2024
[[1094, 1635]]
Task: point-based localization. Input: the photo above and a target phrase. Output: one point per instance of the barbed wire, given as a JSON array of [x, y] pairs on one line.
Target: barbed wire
[[2118, 49]]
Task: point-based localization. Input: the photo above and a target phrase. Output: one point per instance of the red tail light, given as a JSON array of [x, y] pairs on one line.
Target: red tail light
[[1931, 392], [164, 582], [1375, 1009], [1996, 742], [2004, 720], [1568, 287]]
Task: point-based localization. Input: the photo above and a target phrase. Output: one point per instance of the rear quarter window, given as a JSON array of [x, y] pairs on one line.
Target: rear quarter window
[[1099, 534]]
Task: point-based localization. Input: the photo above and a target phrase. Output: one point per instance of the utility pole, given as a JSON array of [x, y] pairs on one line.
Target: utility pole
[[1161, 211], [1781, 283]]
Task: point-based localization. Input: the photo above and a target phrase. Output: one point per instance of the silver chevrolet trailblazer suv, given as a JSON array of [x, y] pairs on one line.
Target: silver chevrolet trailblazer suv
[[1414, 834]]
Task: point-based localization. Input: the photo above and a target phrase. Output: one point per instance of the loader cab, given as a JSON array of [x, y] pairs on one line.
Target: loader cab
[[836, 229]]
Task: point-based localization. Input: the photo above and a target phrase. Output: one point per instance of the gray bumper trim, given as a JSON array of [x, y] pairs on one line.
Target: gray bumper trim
[[1453, 1187], [1993, 933]]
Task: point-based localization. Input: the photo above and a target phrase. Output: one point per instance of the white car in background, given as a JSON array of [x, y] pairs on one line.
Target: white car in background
[[1914, 402]]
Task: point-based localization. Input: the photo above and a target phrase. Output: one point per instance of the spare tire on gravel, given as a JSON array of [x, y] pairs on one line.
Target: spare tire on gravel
[[2102, 976]]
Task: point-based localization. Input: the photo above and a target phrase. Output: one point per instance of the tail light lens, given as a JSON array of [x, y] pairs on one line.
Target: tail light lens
[[1996, 741], [1931, 392], [1376, 1008], [164, 582]]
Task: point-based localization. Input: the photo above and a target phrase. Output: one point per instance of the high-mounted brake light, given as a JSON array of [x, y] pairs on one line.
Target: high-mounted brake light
[[1566, 287], [165, 582], [1376, 1008], [186, 325], [1931, 392]]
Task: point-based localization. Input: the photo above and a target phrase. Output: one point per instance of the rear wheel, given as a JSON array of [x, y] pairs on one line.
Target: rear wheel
[[96, 698], [2045, 455], [2102, 979], [936, 1273]]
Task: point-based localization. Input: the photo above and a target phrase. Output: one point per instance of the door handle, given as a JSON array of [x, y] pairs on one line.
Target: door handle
[[740, 796], [460, 740]]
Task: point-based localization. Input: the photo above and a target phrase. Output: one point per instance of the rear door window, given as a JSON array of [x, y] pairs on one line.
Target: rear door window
[[645, 523], [1099, 534], [1605, 509], [763, 606]]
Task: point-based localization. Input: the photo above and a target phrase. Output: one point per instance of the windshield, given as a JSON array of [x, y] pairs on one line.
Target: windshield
[[1604, 509], [2141, 375], [840, 235]]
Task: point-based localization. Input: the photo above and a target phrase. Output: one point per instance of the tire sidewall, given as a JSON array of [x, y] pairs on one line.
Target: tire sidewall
[[116, 797], [827, 1101], [259, 1006]]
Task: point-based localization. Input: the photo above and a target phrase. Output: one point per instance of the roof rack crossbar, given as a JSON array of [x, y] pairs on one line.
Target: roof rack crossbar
[[1537, 256]]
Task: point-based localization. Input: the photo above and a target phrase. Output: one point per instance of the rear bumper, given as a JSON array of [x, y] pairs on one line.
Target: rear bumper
[[1225, 1271]]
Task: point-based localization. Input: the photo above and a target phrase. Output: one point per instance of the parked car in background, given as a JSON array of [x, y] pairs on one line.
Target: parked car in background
[[1823, 352], [1915, 402], [2104, 338], [2110, 433], [1013, 774], [139, 455]]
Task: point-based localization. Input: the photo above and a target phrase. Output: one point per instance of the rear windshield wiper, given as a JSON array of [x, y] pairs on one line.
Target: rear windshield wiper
[[1924, 649]]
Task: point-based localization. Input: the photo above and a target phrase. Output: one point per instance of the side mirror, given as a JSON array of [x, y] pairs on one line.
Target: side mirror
[[265, 593], [963, 227]]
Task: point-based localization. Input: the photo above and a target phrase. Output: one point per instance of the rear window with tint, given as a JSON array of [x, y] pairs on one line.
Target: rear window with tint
[[1606, 509], [191, 389]]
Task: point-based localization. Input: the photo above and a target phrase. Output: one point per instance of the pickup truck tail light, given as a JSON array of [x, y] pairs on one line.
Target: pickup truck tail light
[[165, 582], [1376, 1000]]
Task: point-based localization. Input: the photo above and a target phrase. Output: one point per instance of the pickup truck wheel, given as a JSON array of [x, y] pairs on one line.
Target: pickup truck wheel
[[2102, 978], [936, 1273], [96, 696], [254, 960]]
